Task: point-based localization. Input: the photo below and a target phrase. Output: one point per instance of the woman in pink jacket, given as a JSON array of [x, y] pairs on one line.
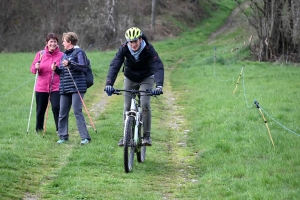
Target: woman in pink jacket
[[47, 83]]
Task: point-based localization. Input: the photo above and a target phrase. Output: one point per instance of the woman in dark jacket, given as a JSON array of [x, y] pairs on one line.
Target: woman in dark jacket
[[143, 67], [72, 84]]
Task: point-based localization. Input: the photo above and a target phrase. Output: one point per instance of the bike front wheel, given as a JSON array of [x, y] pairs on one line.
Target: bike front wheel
[[129, 147]]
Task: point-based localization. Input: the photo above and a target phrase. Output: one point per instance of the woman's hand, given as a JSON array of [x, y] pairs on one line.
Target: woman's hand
[[53, 66], [37, 65], [65, 63]]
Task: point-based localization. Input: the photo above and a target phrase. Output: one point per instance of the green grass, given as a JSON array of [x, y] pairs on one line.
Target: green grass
[[208, 143]]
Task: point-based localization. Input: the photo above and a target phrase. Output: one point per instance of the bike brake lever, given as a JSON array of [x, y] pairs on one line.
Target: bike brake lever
[[117, 92]]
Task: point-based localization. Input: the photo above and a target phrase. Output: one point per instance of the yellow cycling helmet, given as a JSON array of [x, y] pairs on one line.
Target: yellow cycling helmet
[[133, 34]]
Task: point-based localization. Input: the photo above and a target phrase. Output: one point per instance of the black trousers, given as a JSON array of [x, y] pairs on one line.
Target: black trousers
[[41, 106]]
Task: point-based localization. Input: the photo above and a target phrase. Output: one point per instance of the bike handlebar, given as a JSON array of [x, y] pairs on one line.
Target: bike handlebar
[[137, 92], [147, 92]]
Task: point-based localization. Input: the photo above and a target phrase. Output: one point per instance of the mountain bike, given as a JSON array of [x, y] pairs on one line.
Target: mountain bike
[[133, 129]]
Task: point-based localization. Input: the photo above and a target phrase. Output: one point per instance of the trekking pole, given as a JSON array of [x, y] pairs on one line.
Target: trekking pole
[[47, 110], [36, 75], [82, 100], [257, 106]]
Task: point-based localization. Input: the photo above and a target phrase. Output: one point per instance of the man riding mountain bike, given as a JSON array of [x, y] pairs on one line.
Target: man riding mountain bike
[[142, 67]]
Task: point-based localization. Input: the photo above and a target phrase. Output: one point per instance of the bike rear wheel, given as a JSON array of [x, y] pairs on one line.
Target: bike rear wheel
[[141, 155], [141, 151], [129, 147]]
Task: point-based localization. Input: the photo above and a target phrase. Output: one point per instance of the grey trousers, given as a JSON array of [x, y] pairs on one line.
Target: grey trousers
[[63, 121], [147, 83]]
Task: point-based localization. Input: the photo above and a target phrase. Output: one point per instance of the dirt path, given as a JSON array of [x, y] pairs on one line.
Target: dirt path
[[178, 141], [100, 106], [177, 122], [231, 22]]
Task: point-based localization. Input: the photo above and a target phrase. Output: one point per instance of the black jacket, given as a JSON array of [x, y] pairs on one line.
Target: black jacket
[[149, 63], [77, 66]]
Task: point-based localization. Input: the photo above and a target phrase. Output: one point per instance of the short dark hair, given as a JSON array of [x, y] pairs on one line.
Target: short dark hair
[[51, 36]]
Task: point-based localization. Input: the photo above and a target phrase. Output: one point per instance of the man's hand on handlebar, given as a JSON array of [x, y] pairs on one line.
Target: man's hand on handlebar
[[157, 90], [109, 90]]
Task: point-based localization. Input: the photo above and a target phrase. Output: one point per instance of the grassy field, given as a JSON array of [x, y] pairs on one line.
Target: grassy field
[[210, 140]]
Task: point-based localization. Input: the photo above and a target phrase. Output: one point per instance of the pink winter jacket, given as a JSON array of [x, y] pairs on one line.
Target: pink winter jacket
[[44, 79]]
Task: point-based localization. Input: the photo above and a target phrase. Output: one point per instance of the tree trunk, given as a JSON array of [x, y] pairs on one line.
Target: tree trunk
[[153, 16], [277, 24]]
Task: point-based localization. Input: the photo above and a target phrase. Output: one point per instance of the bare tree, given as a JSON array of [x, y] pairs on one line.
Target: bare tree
[[153, 16], [277, 25], [100, 24]]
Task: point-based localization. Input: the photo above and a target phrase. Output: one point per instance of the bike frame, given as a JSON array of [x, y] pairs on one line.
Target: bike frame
[[135, 111], [133, 132]]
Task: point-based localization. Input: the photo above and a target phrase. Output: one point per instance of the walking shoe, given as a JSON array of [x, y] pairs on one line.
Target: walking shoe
[[39, 131], [61, 141], [121, 142], [85, 141], [147, 140]]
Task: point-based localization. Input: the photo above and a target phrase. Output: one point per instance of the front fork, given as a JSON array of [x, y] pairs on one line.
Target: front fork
[[133, 113]]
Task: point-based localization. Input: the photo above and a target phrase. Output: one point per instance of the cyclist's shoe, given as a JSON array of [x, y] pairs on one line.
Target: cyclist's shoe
[[121, 142], [147, 140], [61, 141], [85, 141]]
